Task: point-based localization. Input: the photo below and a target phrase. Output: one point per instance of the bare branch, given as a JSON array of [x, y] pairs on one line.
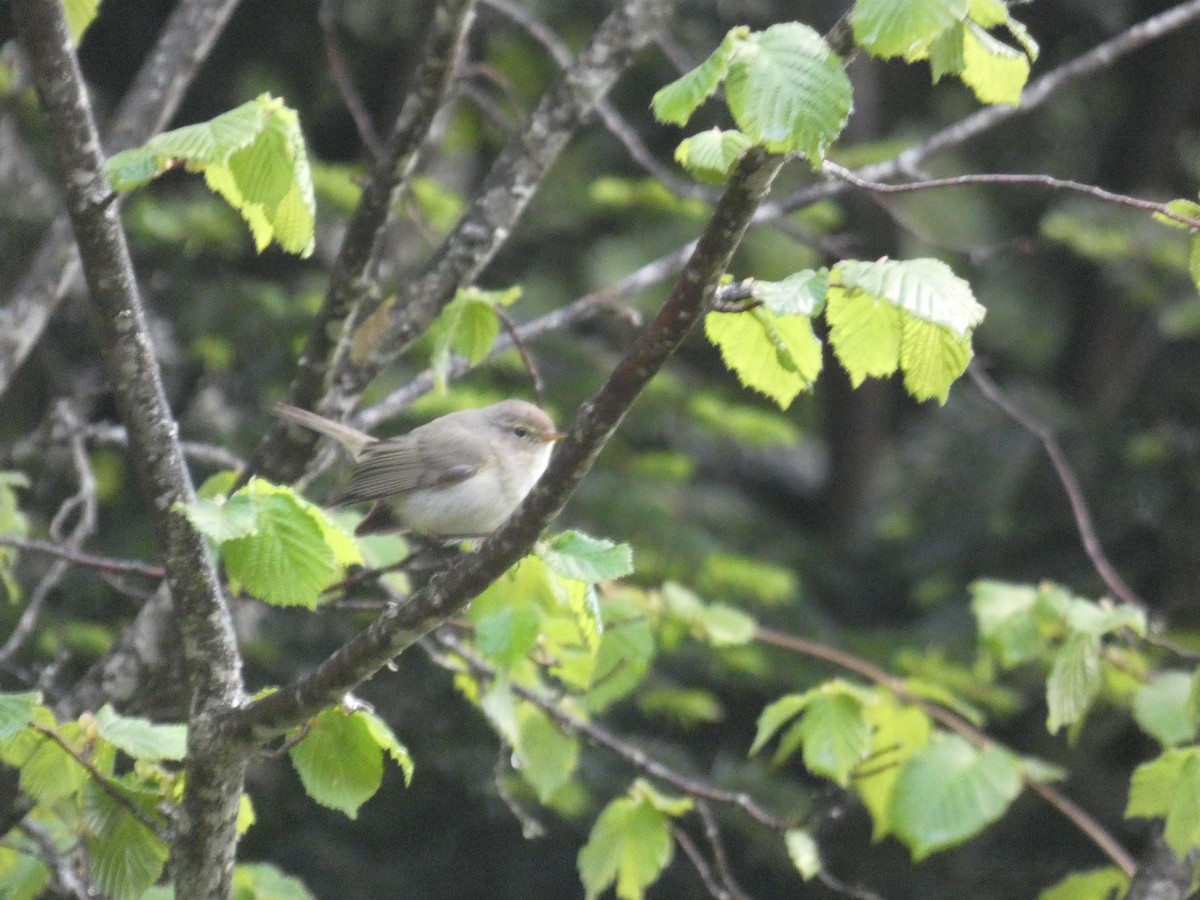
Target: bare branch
[[88, 560], [345, 85]]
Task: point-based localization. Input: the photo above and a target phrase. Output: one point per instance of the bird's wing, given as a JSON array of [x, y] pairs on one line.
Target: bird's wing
[[403, 464]]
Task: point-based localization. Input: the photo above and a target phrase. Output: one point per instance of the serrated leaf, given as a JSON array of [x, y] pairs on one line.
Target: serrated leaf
[[583, 603], [622, 660], [712, 155], [1154, 784], [1074, 680], [803, 852], [949, 792], [775, 715], [834, 734], [126, 857], [898, 733], [1161, 708], [50, 773], [993, 70], [574, 554], [141, 738], [339, 761], [383, 736], [946, 54], [865, 332], [547, 756], [988, 13], [932, 358], [778, 356], [788, 91], [221, 519], [16, 711], [262, 881], [800, 294], [1091, 885], [630, 845], [925, 288], [676, 102], [907, 28]]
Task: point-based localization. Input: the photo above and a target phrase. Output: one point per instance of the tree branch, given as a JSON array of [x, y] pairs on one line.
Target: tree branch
[[449, 591], [151, 102], [206, 837]]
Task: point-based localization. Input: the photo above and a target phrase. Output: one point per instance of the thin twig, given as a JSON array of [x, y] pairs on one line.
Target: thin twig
[[531, 827], [103, 781], [712, 833], [344, 83], [80, 558], [69, 880], [1060, 184], [699, 863], [956, 723], [531, 366]]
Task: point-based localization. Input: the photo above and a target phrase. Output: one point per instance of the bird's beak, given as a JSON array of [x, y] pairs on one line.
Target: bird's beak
[[553, 437]]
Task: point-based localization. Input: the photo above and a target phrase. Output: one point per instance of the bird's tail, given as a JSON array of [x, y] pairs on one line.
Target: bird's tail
[[350, 438]]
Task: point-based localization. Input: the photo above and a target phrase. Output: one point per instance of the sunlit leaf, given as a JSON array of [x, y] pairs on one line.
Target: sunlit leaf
[[778, 356], [712, 155], [339, 761], [1074, 680], [141, 738], [906, 28], [1161, 708], [629, 846], [803, 851]]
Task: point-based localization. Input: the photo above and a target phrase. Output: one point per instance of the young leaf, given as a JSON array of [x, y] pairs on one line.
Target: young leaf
[[866, 332], [800, 294], [668, 804], [1074, 680], [1155, 783], [1005, 616], [1161, 708], [675, 103], [507, 633], [223, 519], [80, 14], [778, 356], [724, 626], [993, 70], [547, 756], [141, 738], [339, 761], [1106, 882], [16, 711], [50, 773], [788, 91], [711, 155], [949, 792], [775, 715], [630, 845], [467, 326], [623, 658], [381, 733], [932, 358], [127, 858], [907, 28], [925, 288], [1181, 830], [897, 734], [803, 851], [834, 733], [262, 881], [22, 875], [573, 554]]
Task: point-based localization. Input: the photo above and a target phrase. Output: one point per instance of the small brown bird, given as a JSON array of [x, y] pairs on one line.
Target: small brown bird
[[459, 476]]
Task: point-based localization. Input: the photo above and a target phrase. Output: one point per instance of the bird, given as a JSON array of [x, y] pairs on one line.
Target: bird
[[456, 477]]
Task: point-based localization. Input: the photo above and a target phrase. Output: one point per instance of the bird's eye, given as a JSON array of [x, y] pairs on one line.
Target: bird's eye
[[521, 431]]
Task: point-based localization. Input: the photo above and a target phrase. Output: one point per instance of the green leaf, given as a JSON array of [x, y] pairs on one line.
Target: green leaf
[[800, 294], [253, 156], [507, 633], [898, 733], [126, 857], [725, 626], [925, 288], [141, 738], [468, 326], [668, 804], [712, 155], [80, 14], [22, 875], [788, 91], [778, 356], [949, 792], [622, 660], [383, 736], [1154, 784], [775, 715], [50, 773], [547, 756], [573, 554], [675, 103], [993, 70], [1074, 680], [1186, 208], [907, 28], [16, 711], [630, 845], [1181, 830], [223, 519], [295, 552], [1005, 617], [1100, 619], [1091, 885], [339, 761], [1161, 708], [262, 881], [932, 358], [803, 852], [834, 733], [866, 334], [1194, 262]]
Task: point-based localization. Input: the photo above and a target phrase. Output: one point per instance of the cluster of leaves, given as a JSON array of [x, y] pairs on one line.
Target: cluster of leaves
[[99, 785]]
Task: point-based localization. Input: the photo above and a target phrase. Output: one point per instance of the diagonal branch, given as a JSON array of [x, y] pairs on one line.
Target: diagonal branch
[[207, 836], [449, 591]]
